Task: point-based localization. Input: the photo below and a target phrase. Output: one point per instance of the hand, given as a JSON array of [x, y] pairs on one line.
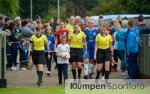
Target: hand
[[28, 42], [112, 58], [54, 49], [49, 56], [9, 43], [86, 52], [94, 57], [17, 30], [19, 34], [28, 54]]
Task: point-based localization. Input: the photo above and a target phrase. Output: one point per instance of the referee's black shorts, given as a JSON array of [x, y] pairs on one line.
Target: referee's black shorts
[[103, 55], [38, 57], [76, 55]]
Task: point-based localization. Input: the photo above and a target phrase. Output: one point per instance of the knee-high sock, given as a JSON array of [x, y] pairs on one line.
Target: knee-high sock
[[97, 75], [90, 68], [107, 74], [40, 75], [79, 73], [85, 69], [74, 73]]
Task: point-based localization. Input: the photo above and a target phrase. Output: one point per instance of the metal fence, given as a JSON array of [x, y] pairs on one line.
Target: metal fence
[[144, 55]]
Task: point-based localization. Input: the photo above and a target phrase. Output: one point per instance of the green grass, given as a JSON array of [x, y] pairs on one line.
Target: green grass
[[62, 91], [32, 91], [107, 91]]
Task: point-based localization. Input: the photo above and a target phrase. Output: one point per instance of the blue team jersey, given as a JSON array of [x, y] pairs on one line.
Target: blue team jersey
[[90, 37], [51, 42]]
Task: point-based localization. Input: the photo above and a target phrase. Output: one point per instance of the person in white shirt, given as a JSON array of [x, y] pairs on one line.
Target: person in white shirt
[[62, 52]]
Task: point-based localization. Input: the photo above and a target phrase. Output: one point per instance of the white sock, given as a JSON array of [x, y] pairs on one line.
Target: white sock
[[90, 67], [95, 67], [85, 69]]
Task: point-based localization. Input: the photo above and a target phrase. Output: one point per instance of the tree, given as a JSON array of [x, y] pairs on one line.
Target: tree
[[40, 7], [80, 7], [10, 7], [121, 7]]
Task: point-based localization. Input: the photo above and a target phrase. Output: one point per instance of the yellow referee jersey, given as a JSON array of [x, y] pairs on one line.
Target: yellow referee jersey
[[76, 40], [38, 42], [103, 42]]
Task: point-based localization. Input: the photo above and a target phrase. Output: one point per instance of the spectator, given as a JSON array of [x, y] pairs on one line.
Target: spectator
[[69, 26], [8, 50], [26, 31], [23, 54], [143, 28], [6, 24], [1, 22], [120, 37], [53, 25], [14, 45], [37, 20], [132, 50]]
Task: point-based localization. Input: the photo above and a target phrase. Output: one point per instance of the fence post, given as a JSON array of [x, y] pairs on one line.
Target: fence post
[[144, 53], [3, 81]]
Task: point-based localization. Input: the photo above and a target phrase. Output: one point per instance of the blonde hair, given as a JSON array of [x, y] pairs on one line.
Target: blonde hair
[[91, 21], [124, 23], [46, 29], [8, 32], [63, 37]]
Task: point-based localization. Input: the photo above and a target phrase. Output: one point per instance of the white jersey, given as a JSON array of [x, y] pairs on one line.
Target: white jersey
[[60, 49]]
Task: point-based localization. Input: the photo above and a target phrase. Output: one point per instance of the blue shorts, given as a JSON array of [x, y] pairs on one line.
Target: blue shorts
[[85, 56], [89, 55]]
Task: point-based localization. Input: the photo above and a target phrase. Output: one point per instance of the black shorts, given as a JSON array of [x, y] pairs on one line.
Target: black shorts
[[38, 57], [103, 55], [76, 55]]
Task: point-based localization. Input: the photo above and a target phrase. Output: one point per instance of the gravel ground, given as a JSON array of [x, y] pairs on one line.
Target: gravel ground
[[28, 78]]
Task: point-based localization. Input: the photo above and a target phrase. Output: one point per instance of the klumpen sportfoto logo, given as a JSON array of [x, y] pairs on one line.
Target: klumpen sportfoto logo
[[105, 85]]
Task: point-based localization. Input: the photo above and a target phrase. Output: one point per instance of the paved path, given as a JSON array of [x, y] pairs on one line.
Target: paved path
[[28, 78]]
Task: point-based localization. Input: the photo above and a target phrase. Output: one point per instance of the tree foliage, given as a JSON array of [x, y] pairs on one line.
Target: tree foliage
[[9, 7], [121, 7], [80, 7], [40, 7], [48, 8]]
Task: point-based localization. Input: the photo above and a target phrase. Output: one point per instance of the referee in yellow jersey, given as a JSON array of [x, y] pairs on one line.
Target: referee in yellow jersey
[[103, 52], [37, 42], [76, 40]]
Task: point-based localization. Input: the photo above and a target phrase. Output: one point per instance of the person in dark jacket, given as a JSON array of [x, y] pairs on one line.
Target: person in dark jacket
[[14, 44], [23, 54], [53, 25], [143, 28], [8, 50], [6, 24], [1, 22]]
